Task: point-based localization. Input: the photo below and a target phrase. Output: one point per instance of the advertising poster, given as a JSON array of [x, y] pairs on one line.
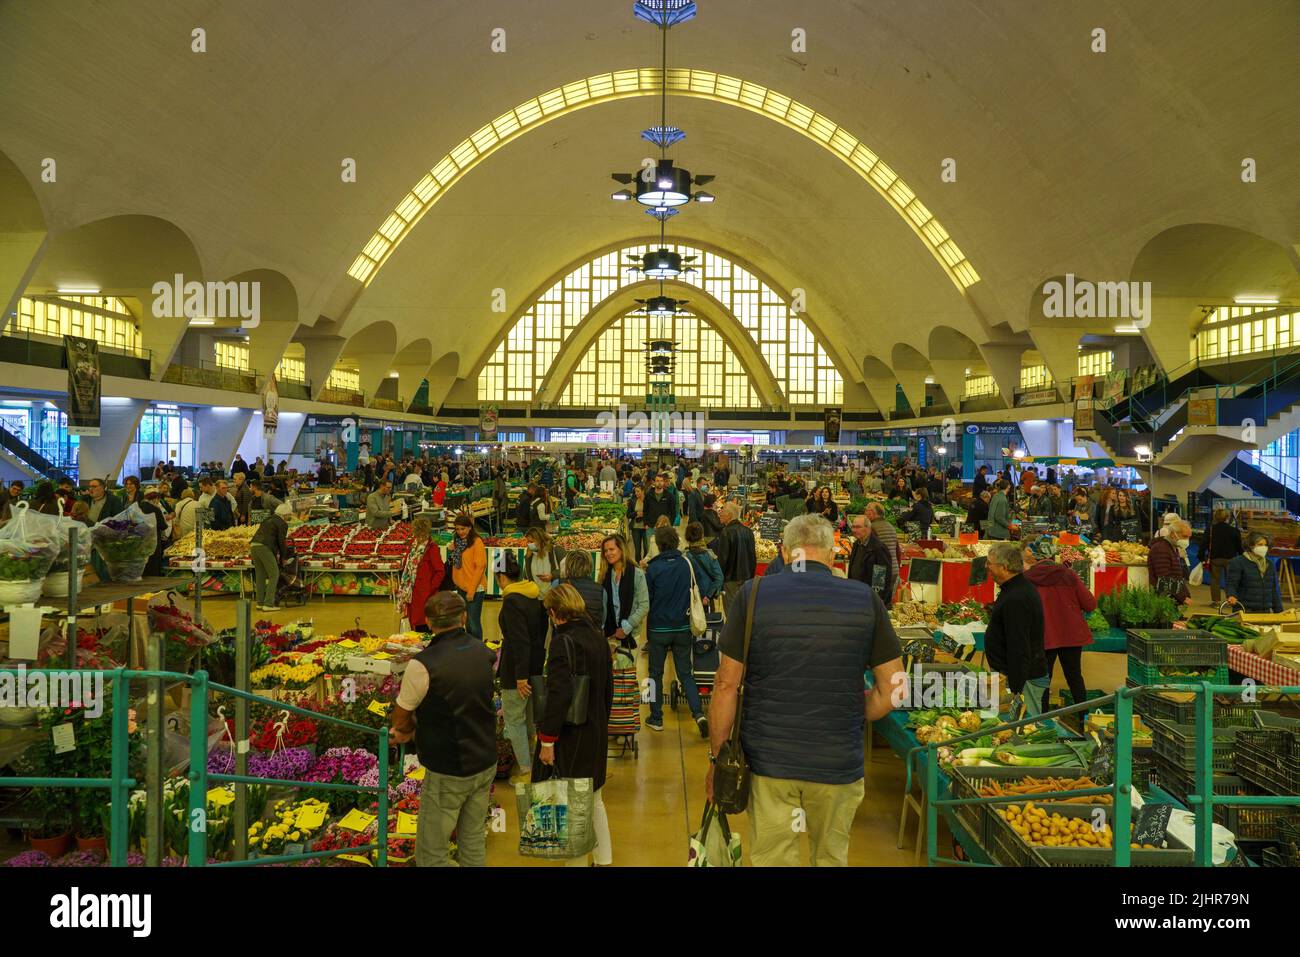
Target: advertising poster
[[83, 385], [831, 425]]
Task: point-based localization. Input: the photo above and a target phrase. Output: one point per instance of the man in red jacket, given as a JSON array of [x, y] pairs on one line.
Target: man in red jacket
[[1066, 600], [1165, 566]]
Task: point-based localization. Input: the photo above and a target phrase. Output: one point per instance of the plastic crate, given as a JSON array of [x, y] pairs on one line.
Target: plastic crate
[[1176, 855], [1144, 674], [1144, 771], [1179, 784], [1176, 646], [1006, 847], [1176, 743], [1266, 758], [1162, 706], [966, 782], [1254, 823]]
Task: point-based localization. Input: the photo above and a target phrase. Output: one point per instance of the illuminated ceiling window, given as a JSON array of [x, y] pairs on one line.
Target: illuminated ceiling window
[[291, 369], [1035, 377], [804, 371], [703, 84], [345, 380], [707, 372], [1096, 363], [232, 355], [1231, 331], [979, 385], [105, 319]]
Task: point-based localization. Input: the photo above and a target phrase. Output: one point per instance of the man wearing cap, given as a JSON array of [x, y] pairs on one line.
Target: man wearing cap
[[445, 705], [268, 551]]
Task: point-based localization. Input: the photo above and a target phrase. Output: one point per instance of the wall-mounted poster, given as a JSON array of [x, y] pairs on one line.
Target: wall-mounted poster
[[831, 425], [83, 385]]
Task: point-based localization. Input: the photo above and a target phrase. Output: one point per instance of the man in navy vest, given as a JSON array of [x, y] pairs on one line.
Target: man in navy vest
[[445, 704], [814, 637]]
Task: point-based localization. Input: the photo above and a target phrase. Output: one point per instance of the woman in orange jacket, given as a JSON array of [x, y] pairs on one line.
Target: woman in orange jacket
[[467, 558]]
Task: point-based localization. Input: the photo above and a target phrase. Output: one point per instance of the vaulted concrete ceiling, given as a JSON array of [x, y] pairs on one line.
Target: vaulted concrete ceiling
[[1067, 160]]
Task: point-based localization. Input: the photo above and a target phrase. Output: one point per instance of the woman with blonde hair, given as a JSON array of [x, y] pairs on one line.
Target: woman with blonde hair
[[579, 749], [421, 576], [467, 557]]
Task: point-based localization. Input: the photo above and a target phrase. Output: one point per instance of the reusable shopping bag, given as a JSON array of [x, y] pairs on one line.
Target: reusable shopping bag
[[555, 818], [714, 845]]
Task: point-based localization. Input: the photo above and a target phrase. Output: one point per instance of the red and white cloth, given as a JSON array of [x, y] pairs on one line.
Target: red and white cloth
[[1261, 669]]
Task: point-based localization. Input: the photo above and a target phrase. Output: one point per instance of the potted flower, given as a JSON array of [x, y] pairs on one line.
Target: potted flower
[[52, 834], [125, 543], [92, 820]]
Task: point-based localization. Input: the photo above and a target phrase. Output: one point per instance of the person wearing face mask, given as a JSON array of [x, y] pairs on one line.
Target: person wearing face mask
[[542, 561], [1165, 565], [1252, 583]]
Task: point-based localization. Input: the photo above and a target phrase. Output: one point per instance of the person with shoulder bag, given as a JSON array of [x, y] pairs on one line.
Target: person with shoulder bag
[[573, 706]]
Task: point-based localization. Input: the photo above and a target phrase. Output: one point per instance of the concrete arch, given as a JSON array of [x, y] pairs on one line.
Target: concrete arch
[[911, 367], [23, 234], [881, 384], [442, 376], [606, 312], [278, 301], [372, 349], [952, 352], [1201, 264], [702, 84], [411, 364], [125, 256]]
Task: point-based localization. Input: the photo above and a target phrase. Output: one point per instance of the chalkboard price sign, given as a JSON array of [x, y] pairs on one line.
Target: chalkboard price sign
[[878, 573], [770, 525], [1150, 824], [204, 516], [925, 571], [1130, 529], [913, 529], [1081, 569], [979, 570], [256, 516], [945, 525], [348, 515]]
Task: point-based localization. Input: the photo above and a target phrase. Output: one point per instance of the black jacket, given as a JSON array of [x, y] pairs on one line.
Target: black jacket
[[922, 513], [1013, 640], [456, 723], [735, 549], [656, 504], [864, 559], [694, 507], [524, 510], [980, 484], [1257, 593], [712, 523], [1225, 541], [577, 648], [523, 638]]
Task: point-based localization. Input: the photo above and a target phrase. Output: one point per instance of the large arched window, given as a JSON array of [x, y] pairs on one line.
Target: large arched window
[[803, 371], [613, 370]]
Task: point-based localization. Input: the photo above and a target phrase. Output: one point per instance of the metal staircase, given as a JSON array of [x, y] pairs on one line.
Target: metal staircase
[[26, 458]]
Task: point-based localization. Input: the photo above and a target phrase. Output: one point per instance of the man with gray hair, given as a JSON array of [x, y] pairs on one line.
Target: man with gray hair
[[1013, 640], [736, 553], [1166, 569], [800, 642]]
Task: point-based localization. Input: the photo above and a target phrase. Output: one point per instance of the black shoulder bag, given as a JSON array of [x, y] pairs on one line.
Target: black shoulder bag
[[577, 713], [730, 769]]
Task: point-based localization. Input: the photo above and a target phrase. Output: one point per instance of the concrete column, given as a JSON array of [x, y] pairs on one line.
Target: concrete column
[[220, 432], [320, 355], [1059, 348], [1004, 365], [1169, 335], [951, 376], [102, 455]]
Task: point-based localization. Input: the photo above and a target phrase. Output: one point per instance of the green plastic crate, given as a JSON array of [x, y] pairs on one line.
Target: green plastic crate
[[1265, 757], [1176, 646], [1252, 823], [966, 782], [1001, 834], [1179, 784], [1176, 743], [1160, 706], [1144, 674]]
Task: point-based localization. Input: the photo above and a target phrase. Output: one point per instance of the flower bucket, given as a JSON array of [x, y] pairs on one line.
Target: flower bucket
[[56, 583], [20, 592], [92, 844], [52, 847]]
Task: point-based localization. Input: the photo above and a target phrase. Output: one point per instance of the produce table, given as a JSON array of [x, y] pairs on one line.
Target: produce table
[[1114, 642], [1260, 669]]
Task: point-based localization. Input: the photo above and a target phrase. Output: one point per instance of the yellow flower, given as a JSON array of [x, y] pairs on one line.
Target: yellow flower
[[295, 836]]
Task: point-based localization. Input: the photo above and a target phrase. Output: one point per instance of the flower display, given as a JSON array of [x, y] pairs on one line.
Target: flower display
[[125, 543], [297, 733], [287, 825], [30, 859], [289, 764], [287, 676], [342, 765]]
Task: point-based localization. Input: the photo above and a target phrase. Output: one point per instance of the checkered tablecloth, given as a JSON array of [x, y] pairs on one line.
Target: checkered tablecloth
[[1261, 669]]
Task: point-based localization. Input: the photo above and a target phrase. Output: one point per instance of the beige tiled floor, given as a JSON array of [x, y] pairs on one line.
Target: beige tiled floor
[[655, 800]]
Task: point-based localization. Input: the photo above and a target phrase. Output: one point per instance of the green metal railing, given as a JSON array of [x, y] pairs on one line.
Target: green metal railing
[[1202, 800], [120, 784]]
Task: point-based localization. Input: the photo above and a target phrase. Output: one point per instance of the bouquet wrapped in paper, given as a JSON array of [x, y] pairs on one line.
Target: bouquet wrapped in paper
[[125, 542]]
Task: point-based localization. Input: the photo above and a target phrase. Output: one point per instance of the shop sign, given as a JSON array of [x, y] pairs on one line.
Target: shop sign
[[1202, 412], [1037, 397]]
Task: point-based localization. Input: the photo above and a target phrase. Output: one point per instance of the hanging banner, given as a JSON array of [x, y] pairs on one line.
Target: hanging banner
[[270, 406], [1083, 387], [831, 425], [1083, 416], [1112, 389], [1202, 412], [83, 385], [487, 422]]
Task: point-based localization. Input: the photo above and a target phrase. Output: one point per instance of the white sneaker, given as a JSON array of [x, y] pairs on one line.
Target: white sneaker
[[270, 608]]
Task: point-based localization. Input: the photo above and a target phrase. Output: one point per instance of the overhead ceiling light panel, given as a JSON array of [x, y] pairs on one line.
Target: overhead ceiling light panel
[[1127, 330], [78, 290], [664, 13], [622, 196], [662, 307], [203, 322], [662, 264], [669, 186], [1256, 300]]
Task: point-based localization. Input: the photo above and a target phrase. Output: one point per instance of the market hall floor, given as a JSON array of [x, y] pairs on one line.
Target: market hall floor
[[655, 801]]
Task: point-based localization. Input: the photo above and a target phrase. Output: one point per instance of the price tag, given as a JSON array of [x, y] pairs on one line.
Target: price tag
[[416, 773], [395, 859], [349, 643], [310, 818], [25, 632], [356, 859], [357, 820], [64, 738], [1150, 824], [409, 763], [406, 823], [379, 707], [221, 797], [381, 656]]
